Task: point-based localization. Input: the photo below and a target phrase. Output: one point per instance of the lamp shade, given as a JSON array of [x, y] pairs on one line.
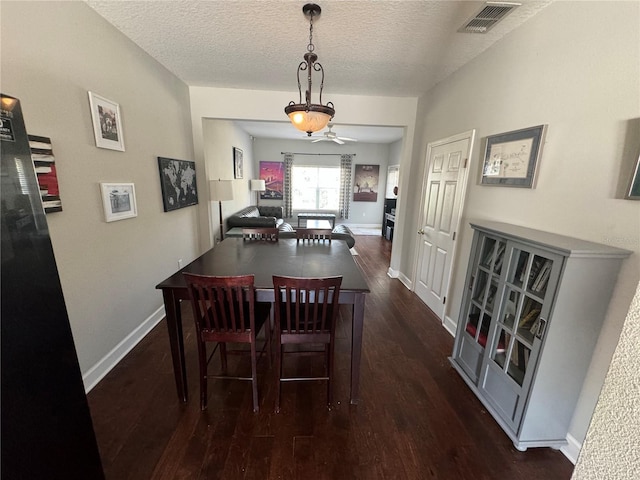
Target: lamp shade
[[257, 185], [309, 118], [220, 190]]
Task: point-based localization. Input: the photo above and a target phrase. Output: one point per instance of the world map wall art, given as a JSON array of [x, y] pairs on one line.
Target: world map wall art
[[178, 182]]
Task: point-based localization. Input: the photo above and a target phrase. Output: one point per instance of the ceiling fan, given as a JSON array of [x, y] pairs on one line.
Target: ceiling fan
[[331, 136]]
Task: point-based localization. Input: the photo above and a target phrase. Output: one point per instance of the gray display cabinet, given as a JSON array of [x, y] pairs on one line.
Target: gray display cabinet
[[532, 311]]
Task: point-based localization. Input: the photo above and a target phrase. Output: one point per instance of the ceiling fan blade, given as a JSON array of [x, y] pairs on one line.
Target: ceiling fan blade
[[321, 139], [338, 141], [347, 139]]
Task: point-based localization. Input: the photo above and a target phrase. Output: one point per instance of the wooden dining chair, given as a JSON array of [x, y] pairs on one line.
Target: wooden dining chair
[[313, 234], [306, 311], [260, 233], [225, 311]]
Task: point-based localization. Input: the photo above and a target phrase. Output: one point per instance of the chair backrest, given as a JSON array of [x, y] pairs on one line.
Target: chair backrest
[[260, 233], [306, 305], [313, 234], [223, 305]]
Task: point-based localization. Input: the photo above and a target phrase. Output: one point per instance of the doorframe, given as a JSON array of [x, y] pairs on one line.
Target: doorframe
[[448, 324]]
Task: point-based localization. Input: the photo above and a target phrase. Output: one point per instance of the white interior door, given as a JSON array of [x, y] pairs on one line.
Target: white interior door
[[444, 189]]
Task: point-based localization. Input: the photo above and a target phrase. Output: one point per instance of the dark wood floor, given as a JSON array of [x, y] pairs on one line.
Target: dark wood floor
[[416, 420]]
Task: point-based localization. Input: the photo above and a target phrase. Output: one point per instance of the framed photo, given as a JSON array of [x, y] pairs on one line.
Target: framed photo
[[237, 163], [119, 201], [633, 193], [511, 159], [365, 183], [107, 122], [273, 175], [178, 183]]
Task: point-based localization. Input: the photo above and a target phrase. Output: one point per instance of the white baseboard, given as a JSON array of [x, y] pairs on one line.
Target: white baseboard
[[365, 225], [111, 359], [406, 281], [572, 449], [450, 325], [393, 273]]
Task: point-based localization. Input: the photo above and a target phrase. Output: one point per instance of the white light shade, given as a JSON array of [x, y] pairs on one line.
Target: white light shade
[[257, 185], [220, 190]]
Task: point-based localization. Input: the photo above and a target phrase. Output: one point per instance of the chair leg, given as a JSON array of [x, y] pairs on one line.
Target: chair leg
[[330, 374], [202, 360], [223, 356], [279, 354], [254, 374], [269, 328]]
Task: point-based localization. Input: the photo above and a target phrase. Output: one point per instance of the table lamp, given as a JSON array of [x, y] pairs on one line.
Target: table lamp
[[257, 186], [220, 191]]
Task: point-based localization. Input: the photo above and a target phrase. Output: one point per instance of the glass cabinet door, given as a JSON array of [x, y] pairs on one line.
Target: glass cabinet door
[[521, 319], [484, 289]]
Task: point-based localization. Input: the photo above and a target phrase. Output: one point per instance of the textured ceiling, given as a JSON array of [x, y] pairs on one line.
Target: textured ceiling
[[383, 47]]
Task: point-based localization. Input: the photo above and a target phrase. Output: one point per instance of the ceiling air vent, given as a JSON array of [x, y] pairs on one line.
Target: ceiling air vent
[[490, 14]]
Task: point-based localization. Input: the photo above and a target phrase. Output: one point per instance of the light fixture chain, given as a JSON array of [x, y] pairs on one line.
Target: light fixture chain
[[311, 47]]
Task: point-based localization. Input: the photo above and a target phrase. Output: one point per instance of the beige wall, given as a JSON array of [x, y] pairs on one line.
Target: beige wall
[[52, 54], [575, 67], [220, 136]]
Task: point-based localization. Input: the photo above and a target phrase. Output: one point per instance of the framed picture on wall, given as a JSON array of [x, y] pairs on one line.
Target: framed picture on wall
[[365, 183], [119, 201], [178, 183], [511, 159], [633, 193], [273, 175], [107, 122], [393, 174], [238, 168]]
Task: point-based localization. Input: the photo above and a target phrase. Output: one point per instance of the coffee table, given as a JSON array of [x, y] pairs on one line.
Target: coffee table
[[318, 216], [319, 224]]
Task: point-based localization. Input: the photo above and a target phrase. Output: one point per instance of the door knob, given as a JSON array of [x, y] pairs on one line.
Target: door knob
[[421, 232]]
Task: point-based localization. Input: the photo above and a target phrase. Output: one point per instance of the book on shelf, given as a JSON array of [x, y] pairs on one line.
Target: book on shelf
[[478, 293], [522, 266], [543, 275], [492, 293], [529, 318], [499, 256], [489, 254]]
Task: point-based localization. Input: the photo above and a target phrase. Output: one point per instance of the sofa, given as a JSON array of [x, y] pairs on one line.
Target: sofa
[[256, 216], [271, 217], [339, 232]]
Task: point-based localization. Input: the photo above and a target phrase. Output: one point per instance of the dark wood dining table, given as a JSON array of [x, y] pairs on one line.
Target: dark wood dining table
[[287, 257]]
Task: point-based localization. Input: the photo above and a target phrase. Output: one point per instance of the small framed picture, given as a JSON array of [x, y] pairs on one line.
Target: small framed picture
[[107, 122], [119, 201], [633, 193], [511, 159], [237, 163]]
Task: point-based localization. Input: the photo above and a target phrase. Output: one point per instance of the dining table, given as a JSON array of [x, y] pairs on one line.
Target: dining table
[[263, 259]]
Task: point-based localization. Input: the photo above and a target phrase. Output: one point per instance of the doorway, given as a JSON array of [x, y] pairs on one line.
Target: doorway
[[443, 191]]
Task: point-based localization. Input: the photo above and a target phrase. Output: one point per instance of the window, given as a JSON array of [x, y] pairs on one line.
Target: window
[[315, 188]]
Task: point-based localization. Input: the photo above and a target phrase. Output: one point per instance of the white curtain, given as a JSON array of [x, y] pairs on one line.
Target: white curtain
[[288, 164], [345, 185]]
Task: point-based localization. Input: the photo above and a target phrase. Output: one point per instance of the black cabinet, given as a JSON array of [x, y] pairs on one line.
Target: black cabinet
[[389, 218]]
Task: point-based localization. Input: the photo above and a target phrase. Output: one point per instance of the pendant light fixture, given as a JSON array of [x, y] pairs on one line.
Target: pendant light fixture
[[310, 117]]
